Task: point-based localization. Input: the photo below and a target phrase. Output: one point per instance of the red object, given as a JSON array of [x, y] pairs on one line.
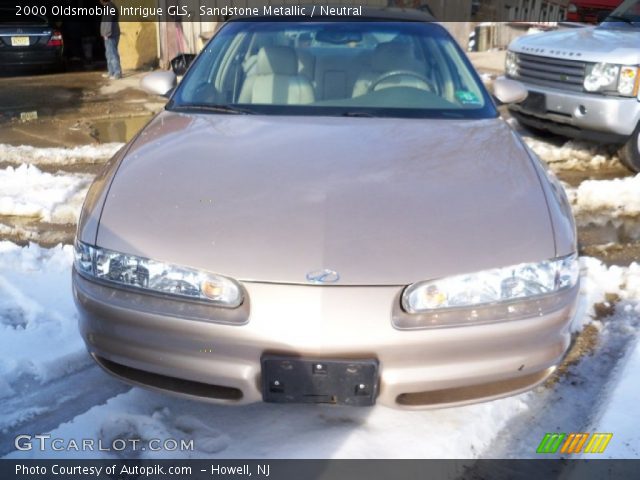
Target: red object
[[590, 11], [55, 40]]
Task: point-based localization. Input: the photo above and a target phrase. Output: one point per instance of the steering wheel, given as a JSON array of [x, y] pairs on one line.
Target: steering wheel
[[401, 73]]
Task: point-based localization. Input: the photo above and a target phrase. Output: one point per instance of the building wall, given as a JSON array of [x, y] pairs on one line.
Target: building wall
[[138, 45]]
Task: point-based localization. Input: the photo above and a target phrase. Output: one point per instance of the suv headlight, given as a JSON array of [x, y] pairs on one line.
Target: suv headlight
[[490, 287], [608, 77], [148, 275]]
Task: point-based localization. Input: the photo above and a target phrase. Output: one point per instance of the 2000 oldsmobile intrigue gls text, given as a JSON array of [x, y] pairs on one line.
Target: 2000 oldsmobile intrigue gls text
[[328, 212]]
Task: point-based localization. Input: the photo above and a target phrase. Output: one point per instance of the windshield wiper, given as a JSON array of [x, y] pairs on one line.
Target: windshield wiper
[[214, 108], [619, 18]]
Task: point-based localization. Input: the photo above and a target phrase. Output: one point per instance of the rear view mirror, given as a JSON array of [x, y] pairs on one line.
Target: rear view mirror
[[338, 36], [159, 83], [509, 91], [181, 63]]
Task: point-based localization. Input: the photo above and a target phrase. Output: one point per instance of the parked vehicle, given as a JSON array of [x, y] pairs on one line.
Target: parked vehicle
[[328, 212], [29, 41], [590, 11], [584, 83]]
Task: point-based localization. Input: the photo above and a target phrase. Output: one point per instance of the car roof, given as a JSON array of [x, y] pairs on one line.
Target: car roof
[[368, 13]]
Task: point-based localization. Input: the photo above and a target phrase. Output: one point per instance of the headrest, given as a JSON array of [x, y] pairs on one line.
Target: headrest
[[393, 56], [277, 60]]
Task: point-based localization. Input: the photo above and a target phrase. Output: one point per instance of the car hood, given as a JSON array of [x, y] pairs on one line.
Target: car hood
[[590, 44], [379, 201]]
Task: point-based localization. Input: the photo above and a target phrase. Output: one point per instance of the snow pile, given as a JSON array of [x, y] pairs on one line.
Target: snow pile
[[599, 282], [38, 331], [27, 191], [573, 155], [619, 197], [57, 156]]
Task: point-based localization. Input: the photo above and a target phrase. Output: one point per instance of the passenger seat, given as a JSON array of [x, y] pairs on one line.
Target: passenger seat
[[388, 57], [276, 79]]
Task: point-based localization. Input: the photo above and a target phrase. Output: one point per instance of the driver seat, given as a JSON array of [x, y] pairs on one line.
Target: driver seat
[[276, 80], [389, 57]]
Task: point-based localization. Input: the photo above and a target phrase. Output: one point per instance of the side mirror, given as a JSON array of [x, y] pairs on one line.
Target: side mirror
[[159, 83], [509, 91]]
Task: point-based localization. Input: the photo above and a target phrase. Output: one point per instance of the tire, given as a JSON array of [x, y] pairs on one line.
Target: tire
[[630, 151]]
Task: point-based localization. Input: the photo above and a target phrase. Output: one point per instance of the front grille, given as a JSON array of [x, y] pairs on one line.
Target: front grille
[[551, 72]]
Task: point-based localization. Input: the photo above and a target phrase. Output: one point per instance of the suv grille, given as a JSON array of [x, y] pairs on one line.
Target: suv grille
[[551, 72]]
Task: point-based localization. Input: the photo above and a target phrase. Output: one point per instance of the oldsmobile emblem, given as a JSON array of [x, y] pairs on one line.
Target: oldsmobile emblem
[[323, 276]]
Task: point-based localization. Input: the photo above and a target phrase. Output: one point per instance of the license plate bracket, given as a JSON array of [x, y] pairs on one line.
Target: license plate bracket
[[287, 379], [535, 102]]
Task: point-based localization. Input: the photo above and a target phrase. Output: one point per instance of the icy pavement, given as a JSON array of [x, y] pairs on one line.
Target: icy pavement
[[620, 412]]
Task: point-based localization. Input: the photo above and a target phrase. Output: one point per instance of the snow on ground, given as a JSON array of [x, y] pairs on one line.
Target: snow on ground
[[572, 155], [57, 156], [36, 315], [619, 197], [37, 312], [27, 191]]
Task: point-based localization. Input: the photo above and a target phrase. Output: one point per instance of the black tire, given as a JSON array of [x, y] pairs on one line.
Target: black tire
[[630, 151]]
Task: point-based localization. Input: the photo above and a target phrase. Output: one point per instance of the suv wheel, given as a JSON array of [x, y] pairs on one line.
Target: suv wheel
[[630, 151]]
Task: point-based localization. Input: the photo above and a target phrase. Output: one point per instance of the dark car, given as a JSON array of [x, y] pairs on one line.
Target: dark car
[[29, 42]]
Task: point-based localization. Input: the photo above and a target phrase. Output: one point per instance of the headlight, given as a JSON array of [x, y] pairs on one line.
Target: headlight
[[511, 64], [607, 77], [601, 76], [156, 277], [490, 287]]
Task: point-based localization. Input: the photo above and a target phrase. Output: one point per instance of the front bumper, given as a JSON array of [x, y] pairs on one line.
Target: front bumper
[[582, 114], [221, 363]]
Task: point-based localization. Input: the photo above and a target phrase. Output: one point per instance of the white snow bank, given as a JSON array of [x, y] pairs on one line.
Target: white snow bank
[[573, 155], [38, 321], [619, 196], [57, 156], [597, 280], [27, 191]]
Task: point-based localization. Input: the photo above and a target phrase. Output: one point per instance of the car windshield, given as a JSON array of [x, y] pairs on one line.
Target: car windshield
[[627, 14], [364, 68]]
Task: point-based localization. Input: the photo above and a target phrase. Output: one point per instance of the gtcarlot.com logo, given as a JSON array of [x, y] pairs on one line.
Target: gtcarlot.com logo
[[574, 443], [46, 442]]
